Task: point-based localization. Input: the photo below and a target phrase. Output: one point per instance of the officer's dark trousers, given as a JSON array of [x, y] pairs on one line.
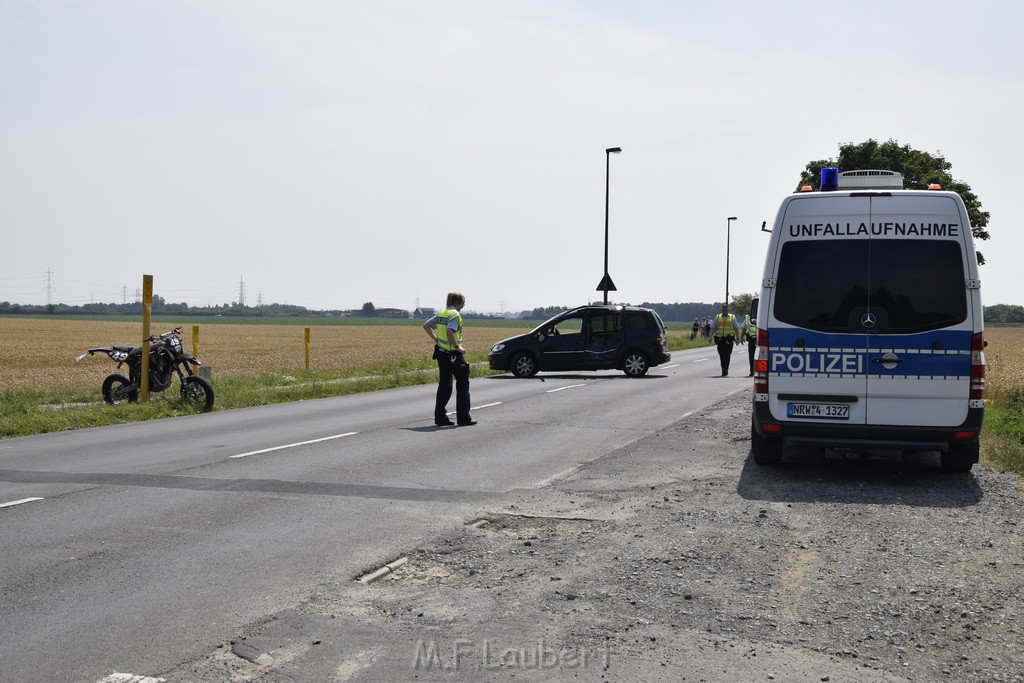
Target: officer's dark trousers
[[451, 365], [725, 352], [751, 345]]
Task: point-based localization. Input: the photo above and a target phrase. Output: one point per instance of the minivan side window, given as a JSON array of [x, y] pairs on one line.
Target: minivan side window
[[572, 325], [605, 323], [636, 321], [911, 285]]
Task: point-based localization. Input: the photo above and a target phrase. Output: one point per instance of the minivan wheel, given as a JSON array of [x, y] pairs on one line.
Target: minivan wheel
[[635, 364], [960, 457], [767, 452], [524, 365]]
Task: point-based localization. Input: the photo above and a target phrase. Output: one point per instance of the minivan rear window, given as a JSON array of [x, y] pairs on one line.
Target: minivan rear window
[[909, 285]]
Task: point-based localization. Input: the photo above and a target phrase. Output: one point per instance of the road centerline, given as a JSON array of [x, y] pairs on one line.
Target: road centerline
[[571, 386], [292, 445]]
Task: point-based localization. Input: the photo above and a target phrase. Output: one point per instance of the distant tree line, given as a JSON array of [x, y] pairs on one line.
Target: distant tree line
[[678, 312], [160, 307], [669, 312], [1002, 313]]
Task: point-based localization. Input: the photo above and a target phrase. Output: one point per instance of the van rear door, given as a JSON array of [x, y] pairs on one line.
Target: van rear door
[[917, 317], [817, 357]]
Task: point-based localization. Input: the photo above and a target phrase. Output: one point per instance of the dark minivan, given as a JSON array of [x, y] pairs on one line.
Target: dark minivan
[[608, 337]]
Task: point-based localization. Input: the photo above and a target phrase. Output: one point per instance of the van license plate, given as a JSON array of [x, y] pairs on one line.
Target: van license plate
[[823, 411]]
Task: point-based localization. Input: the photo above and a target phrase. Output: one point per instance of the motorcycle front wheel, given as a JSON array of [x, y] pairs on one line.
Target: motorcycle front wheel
[[198, 392], [114, 391]]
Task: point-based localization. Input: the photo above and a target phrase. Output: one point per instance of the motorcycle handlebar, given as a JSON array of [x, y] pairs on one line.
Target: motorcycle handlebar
[[175, 331]]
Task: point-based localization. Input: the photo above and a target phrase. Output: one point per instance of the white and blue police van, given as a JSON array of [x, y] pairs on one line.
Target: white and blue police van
[[870, 326]]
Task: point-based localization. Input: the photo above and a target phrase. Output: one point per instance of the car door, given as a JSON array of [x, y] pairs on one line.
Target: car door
[[605, 337], [562, 345]]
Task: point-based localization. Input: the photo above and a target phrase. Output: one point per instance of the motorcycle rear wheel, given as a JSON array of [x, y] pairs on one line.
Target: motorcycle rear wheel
[[198, 392], [112, 387]]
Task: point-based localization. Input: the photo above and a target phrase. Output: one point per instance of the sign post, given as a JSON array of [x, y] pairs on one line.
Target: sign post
[[307, 349], [147, 310]]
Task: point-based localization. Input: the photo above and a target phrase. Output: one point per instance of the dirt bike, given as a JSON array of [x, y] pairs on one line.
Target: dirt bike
[[167, 358]]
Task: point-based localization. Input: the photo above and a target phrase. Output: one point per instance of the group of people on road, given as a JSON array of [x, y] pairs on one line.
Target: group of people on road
[[701, 328], [445, 330]]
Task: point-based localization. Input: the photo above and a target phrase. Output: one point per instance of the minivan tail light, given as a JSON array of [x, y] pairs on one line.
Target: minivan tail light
[[978, 366], [761, 362]]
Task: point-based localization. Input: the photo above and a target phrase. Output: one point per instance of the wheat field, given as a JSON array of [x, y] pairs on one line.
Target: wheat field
[[39, 354]]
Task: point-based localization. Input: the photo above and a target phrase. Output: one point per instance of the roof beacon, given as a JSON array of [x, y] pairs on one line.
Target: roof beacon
[[829, 179]]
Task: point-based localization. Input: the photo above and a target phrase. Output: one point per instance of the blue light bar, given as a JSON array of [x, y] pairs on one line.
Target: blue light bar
[[829, 179]]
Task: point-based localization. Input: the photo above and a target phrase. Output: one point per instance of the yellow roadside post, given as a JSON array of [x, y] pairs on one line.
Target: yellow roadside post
[[147, 310], [195, 341], [307, 349]]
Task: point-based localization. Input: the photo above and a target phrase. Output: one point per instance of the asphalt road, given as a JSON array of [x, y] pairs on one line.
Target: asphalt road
[[140, 547]]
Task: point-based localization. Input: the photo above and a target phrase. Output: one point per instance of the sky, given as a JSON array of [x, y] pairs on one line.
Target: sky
[[327, 154]]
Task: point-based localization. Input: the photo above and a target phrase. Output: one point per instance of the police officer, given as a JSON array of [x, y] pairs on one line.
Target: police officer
[[445, 329], [725, 329], [751, 332]]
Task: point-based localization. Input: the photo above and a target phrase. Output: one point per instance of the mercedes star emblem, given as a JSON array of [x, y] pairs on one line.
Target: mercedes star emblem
[[868, 320]]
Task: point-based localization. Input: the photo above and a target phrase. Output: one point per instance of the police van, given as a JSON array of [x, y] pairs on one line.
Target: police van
[[870, 333]]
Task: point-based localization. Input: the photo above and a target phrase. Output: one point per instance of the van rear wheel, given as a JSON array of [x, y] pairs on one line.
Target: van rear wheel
[[766, 452], [960, 457]]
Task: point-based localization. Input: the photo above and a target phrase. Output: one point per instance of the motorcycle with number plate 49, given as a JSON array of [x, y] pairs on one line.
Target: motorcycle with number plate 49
[[167, 358]]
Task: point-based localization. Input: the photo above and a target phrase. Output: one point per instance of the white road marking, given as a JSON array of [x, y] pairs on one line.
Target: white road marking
[[557, 477], [669, 367], [292, 445], [130, 678], [486, 405], [701, 360], [571, 386], [19, 502]]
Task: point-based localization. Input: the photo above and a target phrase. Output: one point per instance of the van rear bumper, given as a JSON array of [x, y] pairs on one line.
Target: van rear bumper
[[882, 437]]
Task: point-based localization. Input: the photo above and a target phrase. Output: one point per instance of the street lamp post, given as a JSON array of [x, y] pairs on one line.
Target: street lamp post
[[606, 282], [728, 231]]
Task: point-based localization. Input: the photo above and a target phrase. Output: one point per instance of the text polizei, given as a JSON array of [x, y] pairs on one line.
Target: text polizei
[[818, 362]]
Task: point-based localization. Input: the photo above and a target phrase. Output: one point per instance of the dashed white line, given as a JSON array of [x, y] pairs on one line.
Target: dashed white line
[[487, 405], [19, 502], [571, 386], [293, 445], [701, 360]]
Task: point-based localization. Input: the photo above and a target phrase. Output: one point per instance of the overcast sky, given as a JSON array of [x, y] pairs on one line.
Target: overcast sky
[[330, 153]]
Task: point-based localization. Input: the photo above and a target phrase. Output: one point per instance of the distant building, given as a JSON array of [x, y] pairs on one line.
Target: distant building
[[390, 313], [424, 313]]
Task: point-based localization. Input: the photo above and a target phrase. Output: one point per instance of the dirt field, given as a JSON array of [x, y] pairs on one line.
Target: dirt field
[[40, 353]]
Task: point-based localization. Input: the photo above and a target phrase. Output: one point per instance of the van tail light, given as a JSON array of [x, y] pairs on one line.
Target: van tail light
[[978, 366], [761, 362]]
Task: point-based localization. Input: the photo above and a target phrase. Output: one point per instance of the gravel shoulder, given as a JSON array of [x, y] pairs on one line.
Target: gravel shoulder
[[678, 559]]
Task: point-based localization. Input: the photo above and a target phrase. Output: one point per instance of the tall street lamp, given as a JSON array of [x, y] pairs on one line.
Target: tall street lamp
[[728, 230], [606, 284]]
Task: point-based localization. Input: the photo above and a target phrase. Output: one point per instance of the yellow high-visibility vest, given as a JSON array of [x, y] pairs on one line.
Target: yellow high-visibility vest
[[724, 325], [441, 328]]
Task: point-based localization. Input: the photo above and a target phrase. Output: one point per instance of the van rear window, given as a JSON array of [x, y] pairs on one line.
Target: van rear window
[[909, 285]]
